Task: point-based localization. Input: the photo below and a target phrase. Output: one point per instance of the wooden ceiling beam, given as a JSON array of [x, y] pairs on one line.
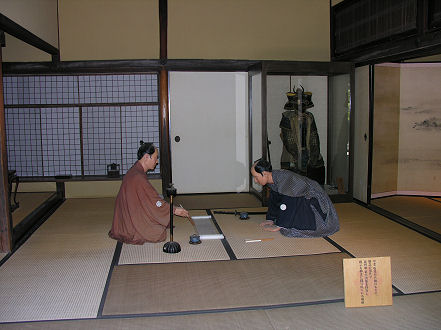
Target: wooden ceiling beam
[[10, 27]]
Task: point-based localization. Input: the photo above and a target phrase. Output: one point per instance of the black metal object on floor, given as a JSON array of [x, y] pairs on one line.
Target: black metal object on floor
[[12, 177], [242, 214], [171, 246]]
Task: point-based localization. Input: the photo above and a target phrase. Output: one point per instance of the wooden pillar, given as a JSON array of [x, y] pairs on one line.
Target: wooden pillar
[[165, 153], [5, 214], [163, 20], [164, 131]]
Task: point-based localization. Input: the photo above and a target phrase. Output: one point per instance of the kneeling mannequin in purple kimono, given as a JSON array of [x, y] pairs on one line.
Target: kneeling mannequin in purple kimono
[[298, 206]]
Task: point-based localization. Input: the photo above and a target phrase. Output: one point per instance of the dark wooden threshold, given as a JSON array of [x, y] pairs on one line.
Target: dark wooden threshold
[[33, 220]]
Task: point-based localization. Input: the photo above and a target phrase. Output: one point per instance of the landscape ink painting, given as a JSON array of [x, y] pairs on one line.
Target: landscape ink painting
[[420, 128]]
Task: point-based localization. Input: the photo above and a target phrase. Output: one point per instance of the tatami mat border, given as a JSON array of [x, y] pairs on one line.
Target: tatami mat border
[[43, 324], [190, 312], [209, 311], [224, 241], [338, 246], [298, 304], [343, 250], [271, 257], [406, 223], [28, 234], [247, 308], [435, 199], [235, 237], [411, 279], [224, 310], [152, 253], [115, 261]]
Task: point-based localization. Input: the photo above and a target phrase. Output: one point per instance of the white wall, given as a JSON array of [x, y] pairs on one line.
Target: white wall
[[256, 121], [208, 111]]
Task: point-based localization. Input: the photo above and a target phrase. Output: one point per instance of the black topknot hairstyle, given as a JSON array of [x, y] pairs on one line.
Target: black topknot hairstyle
[[262, 165], [145, 148]]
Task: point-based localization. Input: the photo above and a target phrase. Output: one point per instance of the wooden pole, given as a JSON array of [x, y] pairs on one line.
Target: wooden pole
[[164, 124], [163, 20], [5, 214]]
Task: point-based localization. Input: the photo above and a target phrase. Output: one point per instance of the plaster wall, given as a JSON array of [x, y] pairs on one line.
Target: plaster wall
[[386, 129], [40, 18], [197, 29], [249, 29], [108, 29]]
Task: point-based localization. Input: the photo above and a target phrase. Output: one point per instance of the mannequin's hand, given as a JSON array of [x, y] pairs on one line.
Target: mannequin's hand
[[267, 223], [180, 211]]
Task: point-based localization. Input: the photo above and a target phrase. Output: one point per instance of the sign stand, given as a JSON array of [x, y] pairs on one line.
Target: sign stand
[[367, 281]]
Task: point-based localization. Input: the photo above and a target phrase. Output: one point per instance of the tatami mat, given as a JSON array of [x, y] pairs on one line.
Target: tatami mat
[[273, 244], [152, 252], [407, 312], [416, 259], [161, 288], [244, 320], [60, 273], [420, 210], [61, 270], [419, 311], [28, 202], [211, 201]]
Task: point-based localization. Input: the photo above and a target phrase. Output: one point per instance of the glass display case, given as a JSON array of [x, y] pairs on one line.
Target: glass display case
[[300, 120]]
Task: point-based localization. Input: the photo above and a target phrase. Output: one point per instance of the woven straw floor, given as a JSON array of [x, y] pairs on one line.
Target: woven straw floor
[[407, 312], [61, 270], [415, 259], [224, 284], [152, 252], [58, 276], [423, 211], [238, 232]]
